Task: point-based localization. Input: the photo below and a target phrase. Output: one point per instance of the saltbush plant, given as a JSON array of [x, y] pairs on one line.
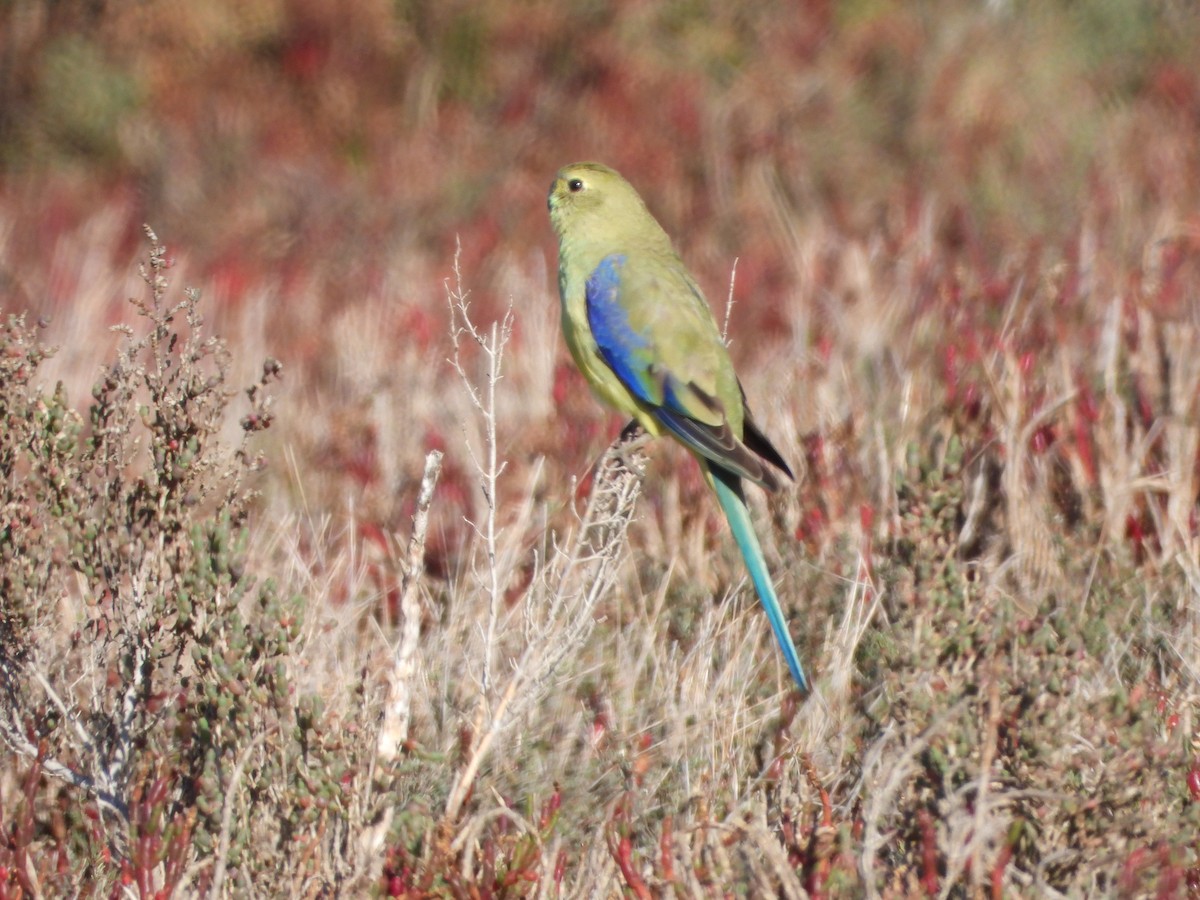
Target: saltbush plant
[[144, 673]]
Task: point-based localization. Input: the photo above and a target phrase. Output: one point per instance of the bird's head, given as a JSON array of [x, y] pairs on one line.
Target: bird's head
[[590, 201]]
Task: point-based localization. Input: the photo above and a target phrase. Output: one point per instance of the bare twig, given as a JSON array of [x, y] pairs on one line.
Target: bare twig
[[560, 618], [13, 732], [729, 304], [394, 731], [987, 755], [235, 778], [587, 571], [490, 468]]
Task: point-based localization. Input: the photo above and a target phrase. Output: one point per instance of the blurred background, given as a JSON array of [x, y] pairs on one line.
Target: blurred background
[[323, 145]]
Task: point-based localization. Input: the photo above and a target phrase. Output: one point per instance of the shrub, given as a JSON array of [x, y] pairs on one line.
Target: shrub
[[144, 673]]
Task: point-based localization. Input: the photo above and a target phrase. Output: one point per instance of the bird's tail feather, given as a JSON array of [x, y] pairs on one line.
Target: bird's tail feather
[[729, 493]]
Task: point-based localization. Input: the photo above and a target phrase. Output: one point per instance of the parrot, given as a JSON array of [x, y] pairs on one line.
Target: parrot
[[644, 338]]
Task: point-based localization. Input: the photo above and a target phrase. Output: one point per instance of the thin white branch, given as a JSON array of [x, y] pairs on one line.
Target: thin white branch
[[13, 733], [398, 711], [729, 304], [227, 814]]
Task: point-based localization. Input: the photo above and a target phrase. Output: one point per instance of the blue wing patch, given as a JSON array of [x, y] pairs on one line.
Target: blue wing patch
[[618, 342], [630, 354]]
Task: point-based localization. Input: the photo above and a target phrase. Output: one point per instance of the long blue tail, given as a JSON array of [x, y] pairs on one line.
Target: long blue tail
[[729, 493]]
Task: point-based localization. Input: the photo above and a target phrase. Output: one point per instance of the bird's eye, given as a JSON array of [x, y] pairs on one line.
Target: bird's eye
[[575, 185]]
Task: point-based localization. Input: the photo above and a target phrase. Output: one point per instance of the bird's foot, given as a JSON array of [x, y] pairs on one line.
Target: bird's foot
[[628, 448], [632, 431]]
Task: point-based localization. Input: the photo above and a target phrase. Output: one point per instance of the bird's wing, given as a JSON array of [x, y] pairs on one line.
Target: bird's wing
[[655, 331]]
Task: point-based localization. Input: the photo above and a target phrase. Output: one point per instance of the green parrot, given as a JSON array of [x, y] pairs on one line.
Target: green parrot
[[645, 339]]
